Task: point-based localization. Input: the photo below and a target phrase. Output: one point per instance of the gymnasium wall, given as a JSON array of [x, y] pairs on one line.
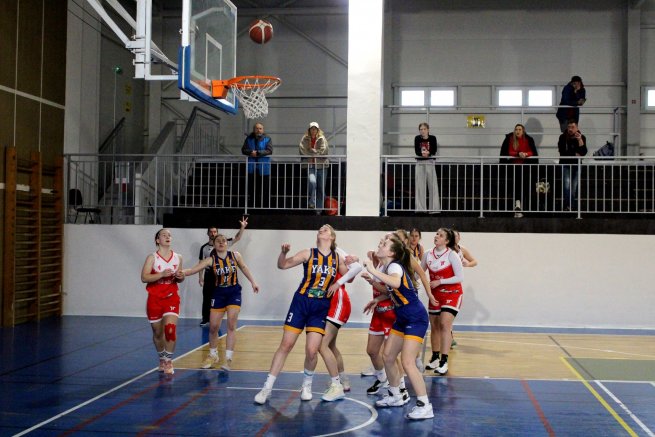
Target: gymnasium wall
[[548, 280]]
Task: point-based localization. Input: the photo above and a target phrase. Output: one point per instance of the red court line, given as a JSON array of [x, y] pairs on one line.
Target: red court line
[[112, 409], [157, 424], [537, 408], [292, 397]]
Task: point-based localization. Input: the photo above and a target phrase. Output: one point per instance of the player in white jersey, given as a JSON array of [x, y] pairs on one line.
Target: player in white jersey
[[446, 276], [161, 272]]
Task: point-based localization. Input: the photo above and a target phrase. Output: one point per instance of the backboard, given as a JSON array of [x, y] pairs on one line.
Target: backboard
[[208, 50]]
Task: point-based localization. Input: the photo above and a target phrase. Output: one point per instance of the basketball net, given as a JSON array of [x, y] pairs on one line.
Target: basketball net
[[251, 92]]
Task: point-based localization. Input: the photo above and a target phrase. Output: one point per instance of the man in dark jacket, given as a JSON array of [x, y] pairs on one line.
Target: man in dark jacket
[[258, 147], [573, 94], [571, 143]]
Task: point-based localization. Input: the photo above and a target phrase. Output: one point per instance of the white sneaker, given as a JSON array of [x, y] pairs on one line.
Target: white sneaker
[[209, 362], [227, 365], [390, 401], [345, 381], [369, 371], [442, 369], [306, 393], [421, 412], [263, 395], [432, 365], [419, 365], [405, 394], [334, 393]]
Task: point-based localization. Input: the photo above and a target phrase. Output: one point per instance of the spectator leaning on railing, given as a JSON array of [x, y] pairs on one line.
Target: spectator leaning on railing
[[258, 147], [573, 94]]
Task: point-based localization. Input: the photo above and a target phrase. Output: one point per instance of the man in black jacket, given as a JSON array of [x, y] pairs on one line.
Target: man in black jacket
[[571, 143]]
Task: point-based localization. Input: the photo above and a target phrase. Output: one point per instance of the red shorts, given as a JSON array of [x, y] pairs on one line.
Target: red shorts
[[452, 300], [158, 307], [382, 320], [339, 312]]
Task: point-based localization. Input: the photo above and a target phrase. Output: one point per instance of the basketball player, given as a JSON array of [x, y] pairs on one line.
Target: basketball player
[[308, 311], [226, 297], [408, 331], [161, 273], [338, 315], [446, 275], [415, 244], [206, 276]]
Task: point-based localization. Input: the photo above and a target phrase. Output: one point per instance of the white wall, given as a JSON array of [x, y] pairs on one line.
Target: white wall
[[595, 281]]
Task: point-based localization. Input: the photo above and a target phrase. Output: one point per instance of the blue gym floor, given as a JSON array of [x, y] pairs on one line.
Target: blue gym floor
[[96, 376]]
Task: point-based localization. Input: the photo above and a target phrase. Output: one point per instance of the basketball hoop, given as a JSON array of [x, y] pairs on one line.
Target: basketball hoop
[[250, 90]]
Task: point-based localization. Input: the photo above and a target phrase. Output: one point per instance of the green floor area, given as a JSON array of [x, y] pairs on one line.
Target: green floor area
[[614, 369]]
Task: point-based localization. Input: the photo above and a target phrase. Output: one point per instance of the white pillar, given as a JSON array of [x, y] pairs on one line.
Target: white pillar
[[364, 115]]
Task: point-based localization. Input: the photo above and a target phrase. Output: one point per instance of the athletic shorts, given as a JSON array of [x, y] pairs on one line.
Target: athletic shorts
[[224, 297], [411, 322], [339, 312], [307, 313], [451, 301], [382, 320], [158, 307]]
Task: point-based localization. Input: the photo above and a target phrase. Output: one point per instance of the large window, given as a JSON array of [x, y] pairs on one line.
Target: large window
[[540, 97], [525, 96], [510, 97], [650, 98], [442, 96]]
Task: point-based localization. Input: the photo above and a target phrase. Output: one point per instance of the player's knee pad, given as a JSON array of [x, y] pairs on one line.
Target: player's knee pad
[[169, 331]]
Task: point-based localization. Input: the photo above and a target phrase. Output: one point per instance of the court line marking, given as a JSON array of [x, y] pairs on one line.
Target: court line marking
[[625, 408], [372, 419], [600, 399], [101, 395], [538, 409]]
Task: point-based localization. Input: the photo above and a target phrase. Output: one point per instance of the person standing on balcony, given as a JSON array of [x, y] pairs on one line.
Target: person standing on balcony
[[206, 277], [259, 148], [314, 144], [518, 148], [571, 143], [425, 147], [575, 95]]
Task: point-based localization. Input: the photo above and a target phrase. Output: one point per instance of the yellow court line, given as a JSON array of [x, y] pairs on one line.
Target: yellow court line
[[600, 398]]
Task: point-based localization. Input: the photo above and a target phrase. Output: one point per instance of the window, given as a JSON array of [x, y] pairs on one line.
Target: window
[[442, 97], [412, 98], [510, 97], [650, 98], [540, 98]]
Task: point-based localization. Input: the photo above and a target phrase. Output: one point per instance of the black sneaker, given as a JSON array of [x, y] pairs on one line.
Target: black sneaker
[[204, 323], [405, 395], [377, 385]]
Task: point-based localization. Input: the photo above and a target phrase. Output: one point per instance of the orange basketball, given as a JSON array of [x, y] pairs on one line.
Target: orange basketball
[[261, 31], [331, 206]]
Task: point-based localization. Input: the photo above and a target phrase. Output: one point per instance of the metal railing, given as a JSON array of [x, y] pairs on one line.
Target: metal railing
[[145, 187], [482, 185]]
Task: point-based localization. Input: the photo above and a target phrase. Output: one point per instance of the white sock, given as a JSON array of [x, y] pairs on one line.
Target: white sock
[[395, 391], [270, 380], [228, 354], [342, 375], [402, 383], [308, 377], [381, 375], [423, 399], [336, 380], [213, 352]]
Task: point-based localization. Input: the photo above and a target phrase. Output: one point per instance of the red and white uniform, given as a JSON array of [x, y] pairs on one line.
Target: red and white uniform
[[445, 266], [340, 308], [384, 316], [163, 298]]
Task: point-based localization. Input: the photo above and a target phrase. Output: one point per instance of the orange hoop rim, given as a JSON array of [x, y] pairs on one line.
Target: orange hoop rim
[[259, 81]]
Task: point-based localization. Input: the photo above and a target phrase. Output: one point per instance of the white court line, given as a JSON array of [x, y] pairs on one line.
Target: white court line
[[373, 418], [101, 395], [625, 408], [558, 346]]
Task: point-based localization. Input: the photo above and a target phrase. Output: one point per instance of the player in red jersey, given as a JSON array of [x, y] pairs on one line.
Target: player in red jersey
[[161, 272], [446, 275]]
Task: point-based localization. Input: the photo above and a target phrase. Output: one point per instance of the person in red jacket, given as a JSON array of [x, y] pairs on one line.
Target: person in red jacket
[[518, 148]]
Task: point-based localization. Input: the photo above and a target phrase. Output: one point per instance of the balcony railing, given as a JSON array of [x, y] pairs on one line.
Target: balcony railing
[[141, 188]]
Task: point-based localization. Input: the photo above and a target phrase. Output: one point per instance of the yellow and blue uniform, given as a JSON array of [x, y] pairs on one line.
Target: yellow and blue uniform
[[310, 304], [411, 317], [227, 291]]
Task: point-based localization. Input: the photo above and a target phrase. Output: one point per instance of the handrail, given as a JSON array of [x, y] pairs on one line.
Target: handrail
[[102, 150]]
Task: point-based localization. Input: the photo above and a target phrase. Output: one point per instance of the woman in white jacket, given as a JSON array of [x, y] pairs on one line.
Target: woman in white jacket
[[315, 145]]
